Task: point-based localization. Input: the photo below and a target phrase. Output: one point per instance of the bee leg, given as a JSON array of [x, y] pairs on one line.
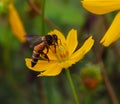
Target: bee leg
[[47, 49], [44, 55], [55, 47]]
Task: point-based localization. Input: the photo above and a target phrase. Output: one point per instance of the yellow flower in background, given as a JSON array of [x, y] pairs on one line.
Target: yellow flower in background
[[16, 24], [64, 56], [113, 33], [103, 7]]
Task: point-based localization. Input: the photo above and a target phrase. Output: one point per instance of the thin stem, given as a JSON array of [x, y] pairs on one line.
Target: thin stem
[[38, 11], [108, 85], [7, 63], [72, 86], [87, 100], [43, 16]]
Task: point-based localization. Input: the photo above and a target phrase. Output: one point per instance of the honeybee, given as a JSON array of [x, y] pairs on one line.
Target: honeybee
[[40, 43]]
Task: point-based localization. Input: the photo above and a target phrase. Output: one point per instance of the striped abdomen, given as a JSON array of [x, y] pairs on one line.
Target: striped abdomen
[[35, 57], [36, 53]]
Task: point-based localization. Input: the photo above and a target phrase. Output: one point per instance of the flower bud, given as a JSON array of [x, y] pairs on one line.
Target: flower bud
[[91, 76]]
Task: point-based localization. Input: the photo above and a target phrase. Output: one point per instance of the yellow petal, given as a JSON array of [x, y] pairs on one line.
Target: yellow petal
[[52, 71], [101, 6], [79, 54], [51, 54], [113, 32], [66, 64], [41, 65], [59, 34], [16, 24], [72, 41]]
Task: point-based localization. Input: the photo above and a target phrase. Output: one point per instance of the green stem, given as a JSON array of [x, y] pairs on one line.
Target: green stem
[[87, 100], [43, 16], [72, 86], [8, 62]]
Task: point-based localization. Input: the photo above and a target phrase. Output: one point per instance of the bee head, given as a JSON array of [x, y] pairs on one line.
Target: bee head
[[55, 38], [52, 39], [49, 39]]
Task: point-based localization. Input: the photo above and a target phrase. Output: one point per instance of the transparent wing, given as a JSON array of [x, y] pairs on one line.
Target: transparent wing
[[34, 39]]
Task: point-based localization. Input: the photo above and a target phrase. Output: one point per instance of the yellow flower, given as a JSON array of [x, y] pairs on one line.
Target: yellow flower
[[64, 56], [103, 7], [16, 24]]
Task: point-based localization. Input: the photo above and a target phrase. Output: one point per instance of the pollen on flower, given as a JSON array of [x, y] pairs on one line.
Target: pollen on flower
[[62, 53]]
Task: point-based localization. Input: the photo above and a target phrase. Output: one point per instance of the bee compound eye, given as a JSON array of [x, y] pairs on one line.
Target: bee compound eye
[[55, 37]]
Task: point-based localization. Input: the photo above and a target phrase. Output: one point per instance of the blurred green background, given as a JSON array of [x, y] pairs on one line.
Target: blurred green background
[[19, 85]]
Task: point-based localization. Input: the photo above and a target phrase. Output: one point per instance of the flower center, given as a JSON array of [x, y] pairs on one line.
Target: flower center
[[62, 53]]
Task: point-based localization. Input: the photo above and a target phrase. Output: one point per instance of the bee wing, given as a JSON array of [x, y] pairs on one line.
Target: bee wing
[[34, 39]]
